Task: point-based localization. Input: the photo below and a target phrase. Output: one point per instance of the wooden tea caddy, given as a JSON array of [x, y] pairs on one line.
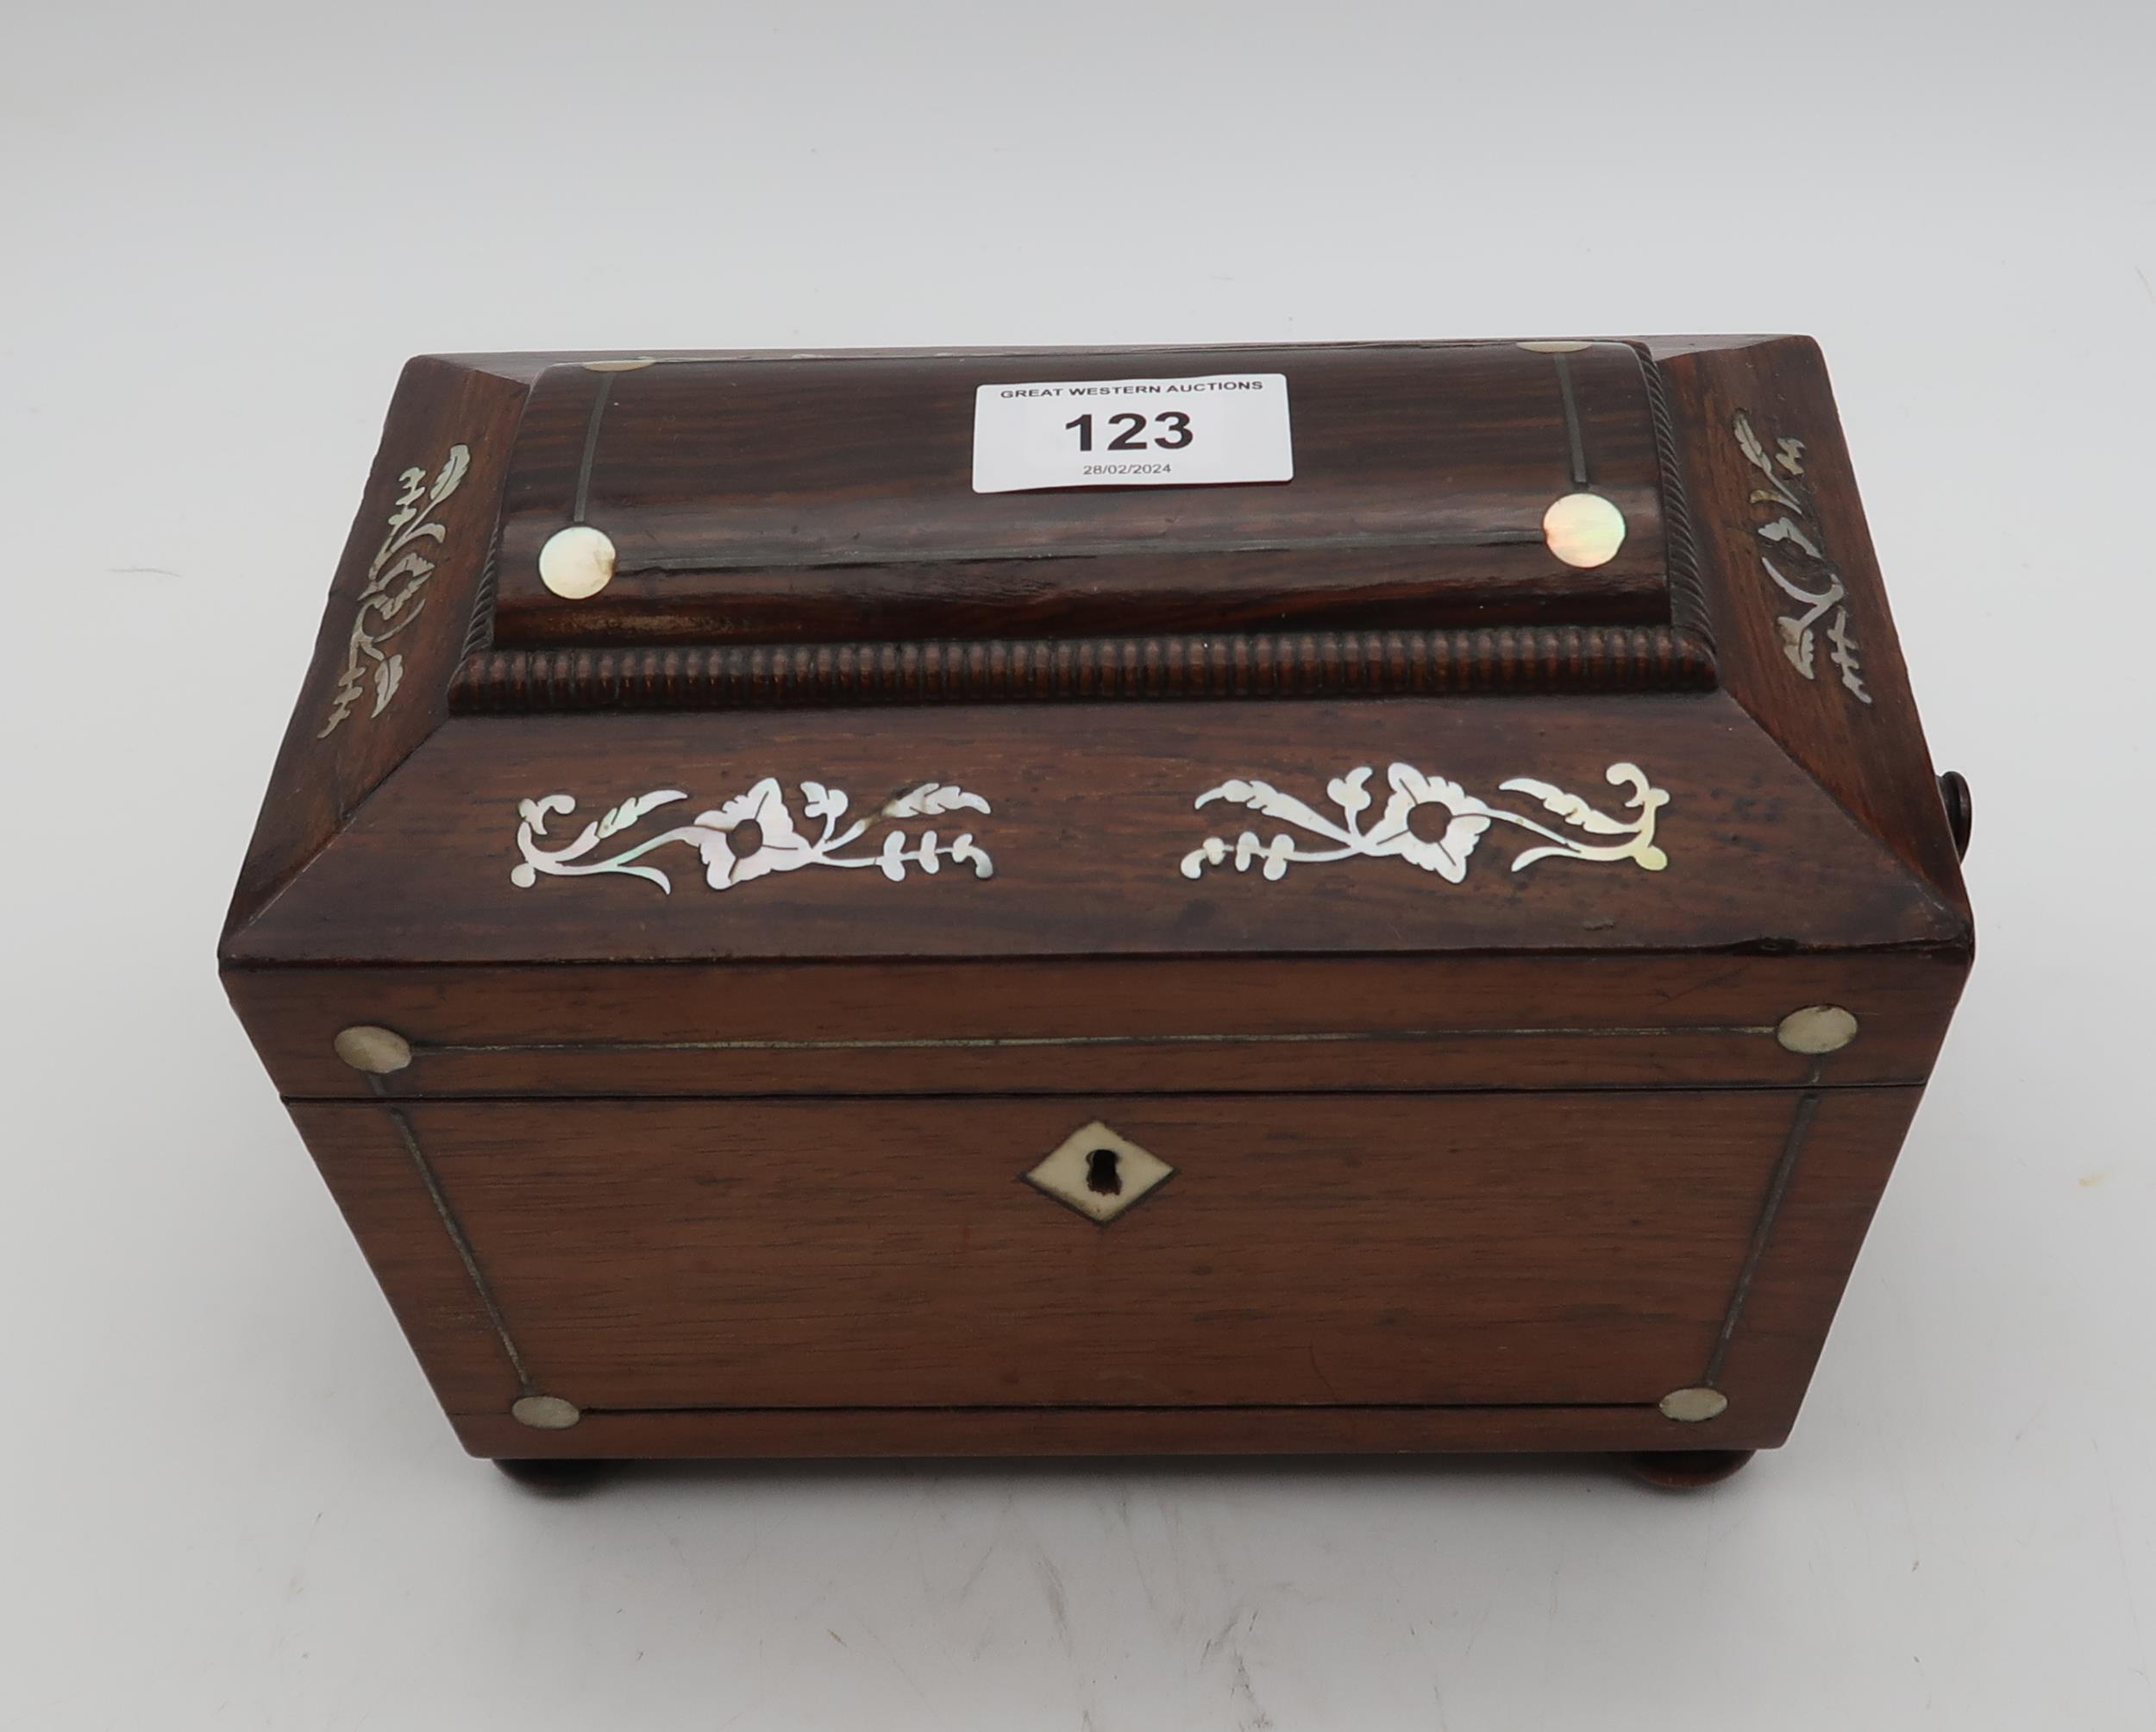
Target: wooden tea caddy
[[777, 953]]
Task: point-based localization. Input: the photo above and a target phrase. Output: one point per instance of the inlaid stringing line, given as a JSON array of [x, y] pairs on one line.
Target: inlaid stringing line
[[998, 1042], [591, 447], [454, 1228], [1571, 420], [1763, 1229]]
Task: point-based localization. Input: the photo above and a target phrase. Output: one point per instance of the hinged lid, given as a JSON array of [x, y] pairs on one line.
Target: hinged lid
[[1779, 798], [807, 528], [781, 499]]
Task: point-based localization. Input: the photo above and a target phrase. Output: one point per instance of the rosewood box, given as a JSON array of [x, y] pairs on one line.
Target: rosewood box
[[1377, 897]]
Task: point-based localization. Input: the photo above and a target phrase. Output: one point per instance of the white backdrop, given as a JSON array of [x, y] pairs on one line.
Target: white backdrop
[[231, 1502]]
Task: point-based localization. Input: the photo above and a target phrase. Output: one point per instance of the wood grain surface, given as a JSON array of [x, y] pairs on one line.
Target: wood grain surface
[[1206, 1024], [1088, 828], [1479, 1251], [319, 781], [1871, 755]]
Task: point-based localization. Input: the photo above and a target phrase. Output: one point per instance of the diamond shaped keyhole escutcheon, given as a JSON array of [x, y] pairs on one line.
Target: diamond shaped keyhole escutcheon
[[1098, 1172]]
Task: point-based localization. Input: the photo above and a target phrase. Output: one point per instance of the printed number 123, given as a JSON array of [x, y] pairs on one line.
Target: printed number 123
[[1130, 438]]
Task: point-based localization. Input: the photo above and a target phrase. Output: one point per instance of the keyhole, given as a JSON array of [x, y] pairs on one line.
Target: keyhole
[[1104, 1178]]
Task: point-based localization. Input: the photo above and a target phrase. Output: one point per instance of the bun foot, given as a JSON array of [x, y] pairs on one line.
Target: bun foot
[[1683, 1469], [560, 1477]]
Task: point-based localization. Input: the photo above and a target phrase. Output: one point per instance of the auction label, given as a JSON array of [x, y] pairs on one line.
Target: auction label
[[1132, 433]]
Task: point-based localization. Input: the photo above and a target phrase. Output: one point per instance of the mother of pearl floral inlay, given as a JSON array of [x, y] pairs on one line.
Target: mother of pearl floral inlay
[[751, 836], [388, 605], [1814, 581], [1465, 819]]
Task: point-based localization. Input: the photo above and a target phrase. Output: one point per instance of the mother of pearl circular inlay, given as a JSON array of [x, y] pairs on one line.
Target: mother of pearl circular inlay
[[1816, 1028], [577, 562], [1584, 530]]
